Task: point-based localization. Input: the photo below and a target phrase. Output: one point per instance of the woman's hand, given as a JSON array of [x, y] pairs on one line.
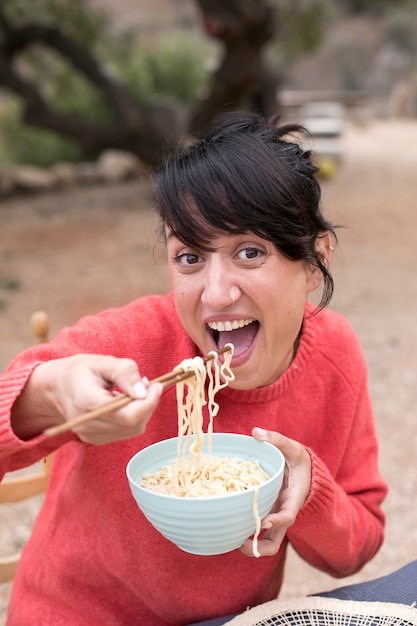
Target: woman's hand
[[61, 389], [294, 491]]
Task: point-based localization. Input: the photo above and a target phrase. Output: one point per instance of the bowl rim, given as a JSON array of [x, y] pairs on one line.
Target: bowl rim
[[170, 497]]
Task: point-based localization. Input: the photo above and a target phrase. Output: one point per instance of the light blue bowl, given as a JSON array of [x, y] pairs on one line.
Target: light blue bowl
[[210, 525]]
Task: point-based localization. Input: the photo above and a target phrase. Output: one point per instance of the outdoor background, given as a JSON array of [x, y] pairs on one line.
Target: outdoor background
[[93, 247]]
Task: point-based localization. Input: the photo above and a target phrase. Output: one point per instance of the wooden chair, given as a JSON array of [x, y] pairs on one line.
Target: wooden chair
[[18, 487]]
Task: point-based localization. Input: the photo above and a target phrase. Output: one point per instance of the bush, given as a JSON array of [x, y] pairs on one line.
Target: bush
[[173, 68], [24, 144]]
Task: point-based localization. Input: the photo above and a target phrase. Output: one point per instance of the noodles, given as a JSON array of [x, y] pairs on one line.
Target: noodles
[[191, 399], [257, 521], [194, 474], [211, 476]]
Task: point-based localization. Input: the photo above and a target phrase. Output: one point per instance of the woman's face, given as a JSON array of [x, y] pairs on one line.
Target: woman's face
[[263, 321]]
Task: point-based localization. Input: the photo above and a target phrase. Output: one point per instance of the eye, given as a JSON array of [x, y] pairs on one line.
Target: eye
[[187, 259], [250, 253]]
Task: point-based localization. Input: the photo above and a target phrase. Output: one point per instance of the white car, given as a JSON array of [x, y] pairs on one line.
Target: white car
[[325, 121]]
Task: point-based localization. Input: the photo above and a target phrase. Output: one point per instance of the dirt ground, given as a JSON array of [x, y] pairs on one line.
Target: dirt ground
[[78, 252]]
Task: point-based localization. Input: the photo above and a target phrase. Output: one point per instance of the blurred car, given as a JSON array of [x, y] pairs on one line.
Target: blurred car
[[325, 122]]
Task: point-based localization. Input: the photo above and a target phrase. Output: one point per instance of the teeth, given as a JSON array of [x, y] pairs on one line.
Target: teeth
[[227, 326]]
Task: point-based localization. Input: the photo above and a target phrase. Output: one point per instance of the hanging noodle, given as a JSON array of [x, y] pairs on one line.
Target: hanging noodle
[[194, 474]]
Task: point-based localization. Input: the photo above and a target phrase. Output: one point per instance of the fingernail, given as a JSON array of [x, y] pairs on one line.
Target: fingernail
[[261, 431], [140, 390]]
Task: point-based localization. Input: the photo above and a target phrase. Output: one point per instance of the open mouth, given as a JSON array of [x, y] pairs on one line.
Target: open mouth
[[240, 333]]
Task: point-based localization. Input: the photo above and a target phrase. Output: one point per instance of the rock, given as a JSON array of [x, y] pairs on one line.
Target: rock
[[7, 183], [31, 178], [86, 173], [65, 174], [118, 165], [113, 166]]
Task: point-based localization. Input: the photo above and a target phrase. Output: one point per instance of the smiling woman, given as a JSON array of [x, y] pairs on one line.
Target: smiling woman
[[247, 245], [241, 211]]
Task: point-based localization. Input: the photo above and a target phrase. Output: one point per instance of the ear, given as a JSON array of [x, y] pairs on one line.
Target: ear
[[323, 249]]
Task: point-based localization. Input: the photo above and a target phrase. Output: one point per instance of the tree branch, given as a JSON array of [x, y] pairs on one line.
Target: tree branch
[[122, 102]]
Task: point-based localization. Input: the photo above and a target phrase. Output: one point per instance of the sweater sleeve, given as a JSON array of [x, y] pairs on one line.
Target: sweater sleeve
[[15, 453], [115, 332], [89, 335], [341, 525]]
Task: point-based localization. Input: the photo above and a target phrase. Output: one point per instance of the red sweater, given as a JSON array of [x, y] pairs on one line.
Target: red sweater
[[94, 559]]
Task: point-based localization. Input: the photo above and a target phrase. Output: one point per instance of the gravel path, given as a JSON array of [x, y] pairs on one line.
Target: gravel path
[[83, 251]]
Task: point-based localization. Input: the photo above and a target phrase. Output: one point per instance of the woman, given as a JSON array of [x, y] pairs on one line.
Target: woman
[[247, 245]]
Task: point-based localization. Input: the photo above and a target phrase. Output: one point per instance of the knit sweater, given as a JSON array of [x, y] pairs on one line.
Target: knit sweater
[[94, 559]]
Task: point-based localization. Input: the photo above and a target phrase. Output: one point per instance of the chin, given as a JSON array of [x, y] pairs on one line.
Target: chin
[[245, 383]]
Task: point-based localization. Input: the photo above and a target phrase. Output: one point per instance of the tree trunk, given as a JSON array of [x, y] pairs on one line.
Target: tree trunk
[[244, 28]]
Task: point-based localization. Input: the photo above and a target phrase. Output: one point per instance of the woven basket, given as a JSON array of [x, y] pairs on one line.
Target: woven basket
[[320, 611]]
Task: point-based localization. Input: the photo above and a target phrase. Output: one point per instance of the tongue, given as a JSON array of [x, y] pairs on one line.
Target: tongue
[[241, 338]]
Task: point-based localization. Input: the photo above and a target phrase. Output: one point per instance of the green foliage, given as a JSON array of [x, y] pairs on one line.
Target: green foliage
[[301, 28], [75, 17], [400, 29], [60, 84], [177, 67], [70, 93], [23, 144], [171, 67]]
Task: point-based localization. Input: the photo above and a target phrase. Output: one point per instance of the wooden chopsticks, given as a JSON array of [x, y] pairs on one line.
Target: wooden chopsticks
[[167, 380]]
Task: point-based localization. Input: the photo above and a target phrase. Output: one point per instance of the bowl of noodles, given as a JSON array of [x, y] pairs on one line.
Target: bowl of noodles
[[206, 492], [208, 496]]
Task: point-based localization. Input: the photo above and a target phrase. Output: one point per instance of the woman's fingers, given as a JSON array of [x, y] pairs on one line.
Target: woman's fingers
[[84, 382], [124, 423], [291, 498]]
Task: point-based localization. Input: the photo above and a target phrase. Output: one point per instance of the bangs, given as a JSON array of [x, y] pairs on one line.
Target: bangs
[[197, 221], [245, 177], [198, 199]]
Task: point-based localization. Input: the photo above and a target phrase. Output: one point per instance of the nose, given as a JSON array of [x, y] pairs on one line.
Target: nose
[[218, 292]]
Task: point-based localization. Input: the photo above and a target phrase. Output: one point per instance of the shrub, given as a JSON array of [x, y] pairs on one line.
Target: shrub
[[24, 144]]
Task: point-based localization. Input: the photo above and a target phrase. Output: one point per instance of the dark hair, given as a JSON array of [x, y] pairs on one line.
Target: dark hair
[[244, 176]]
